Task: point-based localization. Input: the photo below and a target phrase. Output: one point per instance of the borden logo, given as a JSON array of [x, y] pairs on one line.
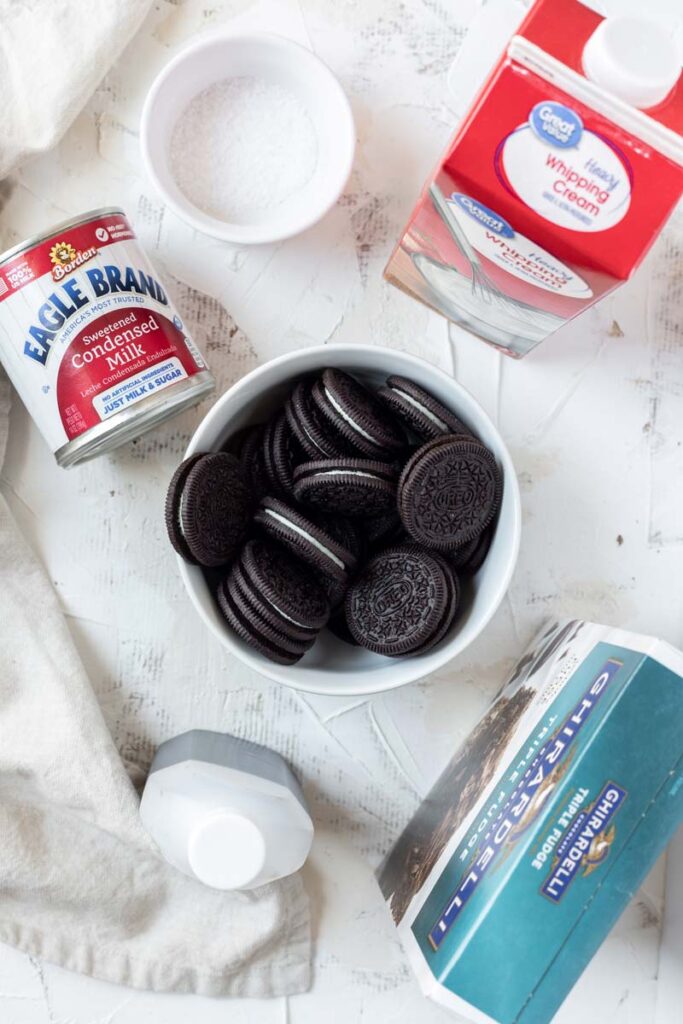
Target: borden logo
[[65, 258]]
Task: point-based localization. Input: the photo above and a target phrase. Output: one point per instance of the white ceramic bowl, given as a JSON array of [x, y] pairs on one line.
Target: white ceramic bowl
[[277, 61], [331, 666]]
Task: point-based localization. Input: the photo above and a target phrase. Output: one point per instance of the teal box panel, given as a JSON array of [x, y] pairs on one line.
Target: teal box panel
[[524, 884]]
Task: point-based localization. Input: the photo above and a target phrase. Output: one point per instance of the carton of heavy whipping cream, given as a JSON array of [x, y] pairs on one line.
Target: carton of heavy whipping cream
[[557, 181], [542, 826]]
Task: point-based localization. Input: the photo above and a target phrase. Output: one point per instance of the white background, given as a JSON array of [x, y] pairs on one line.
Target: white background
[[593, 421]]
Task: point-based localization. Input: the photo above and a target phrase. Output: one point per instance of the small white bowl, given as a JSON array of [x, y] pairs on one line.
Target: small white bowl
[[277, 61], [331, 666]]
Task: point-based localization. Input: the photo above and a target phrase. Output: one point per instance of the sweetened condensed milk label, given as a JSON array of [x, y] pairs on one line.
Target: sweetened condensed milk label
[[87, 330]]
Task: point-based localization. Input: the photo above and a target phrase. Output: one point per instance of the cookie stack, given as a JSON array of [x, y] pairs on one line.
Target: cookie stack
[[356, 509]]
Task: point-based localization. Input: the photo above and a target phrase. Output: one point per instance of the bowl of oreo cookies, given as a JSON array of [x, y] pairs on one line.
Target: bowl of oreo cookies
[[346, 519]]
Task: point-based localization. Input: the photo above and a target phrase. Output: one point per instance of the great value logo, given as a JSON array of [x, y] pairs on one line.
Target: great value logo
[[524, 806], [556, 124]]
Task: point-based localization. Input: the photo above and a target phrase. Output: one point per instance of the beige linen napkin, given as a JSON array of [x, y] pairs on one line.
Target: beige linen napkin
[[53, 54], [80, 882]]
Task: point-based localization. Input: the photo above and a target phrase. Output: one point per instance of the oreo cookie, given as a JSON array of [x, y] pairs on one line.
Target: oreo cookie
[[305, 539], [350, 487], [382, 530], [268, 612], [316, 437], [280, 452], [344, 531], [418, 410], [459, 557], [403, 601], [454, 592], [477, 556], [449, 491], [284, 586], [357, 525], [208, 508], [338, 627], [357, 415], [255, 630], [251, 457]]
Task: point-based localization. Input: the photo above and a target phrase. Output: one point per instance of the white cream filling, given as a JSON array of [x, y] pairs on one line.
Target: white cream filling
[[347, 418], [422, 408], [312, 439], [307, 536], [348, 472], [179, 518], [289, 618]]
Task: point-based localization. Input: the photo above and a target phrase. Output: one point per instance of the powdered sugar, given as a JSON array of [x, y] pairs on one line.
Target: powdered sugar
[[241, 148]]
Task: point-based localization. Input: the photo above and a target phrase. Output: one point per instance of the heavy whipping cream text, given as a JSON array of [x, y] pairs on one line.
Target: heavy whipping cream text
[[87, 331], [577, 187], [571, 176]]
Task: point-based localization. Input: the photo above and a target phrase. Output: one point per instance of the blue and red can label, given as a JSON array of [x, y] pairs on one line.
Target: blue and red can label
[[87, 329]]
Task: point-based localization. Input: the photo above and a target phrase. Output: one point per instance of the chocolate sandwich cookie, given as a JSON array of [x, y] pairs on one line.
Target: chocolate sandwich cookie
[[349, 487], [418, 410], [477, 556], [251, 457], [281, 584], [280, 453], [380, 531], [358, 415], [460, 556], [344, 532], [264, 610], [208, 508], [449, 492], [305, 539], [291, 641], [338, 626], [401, 603], [175, 489], [452, 608], [286, 453], [316, 437], [255, 630]]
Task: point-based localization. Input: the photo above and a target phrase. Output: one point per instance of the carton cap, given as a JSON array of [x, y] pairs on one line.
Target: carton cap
[[634, 59], [226, 850]]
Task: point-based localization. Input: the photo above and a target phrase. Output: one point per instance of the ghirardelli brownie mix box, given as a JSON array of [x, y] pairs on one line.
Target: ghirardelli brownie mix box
[[543, 825], [557, 181]]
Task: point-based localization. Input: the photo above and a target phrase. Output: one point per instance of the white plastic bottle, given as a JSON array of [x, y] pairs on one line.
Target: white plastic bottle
[[226, 811]]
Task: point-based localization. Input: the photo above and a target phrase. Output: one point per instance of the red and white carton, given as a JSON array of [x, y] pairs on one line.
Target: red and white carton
[[557, 181]]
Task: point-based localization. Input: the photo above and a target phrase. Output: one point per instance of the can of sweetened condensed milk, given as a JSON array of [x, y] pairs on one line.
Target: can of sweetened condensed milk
[[90, 339]]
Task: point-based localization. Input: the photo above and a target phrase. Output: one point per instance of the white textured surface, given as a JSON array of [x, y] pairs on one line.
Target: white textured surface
[[593, 419]]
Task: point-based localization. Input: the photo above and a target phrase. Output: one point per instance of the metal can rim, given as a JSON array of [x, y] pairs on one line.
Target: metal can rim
[[65, 225], [131, 423]]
